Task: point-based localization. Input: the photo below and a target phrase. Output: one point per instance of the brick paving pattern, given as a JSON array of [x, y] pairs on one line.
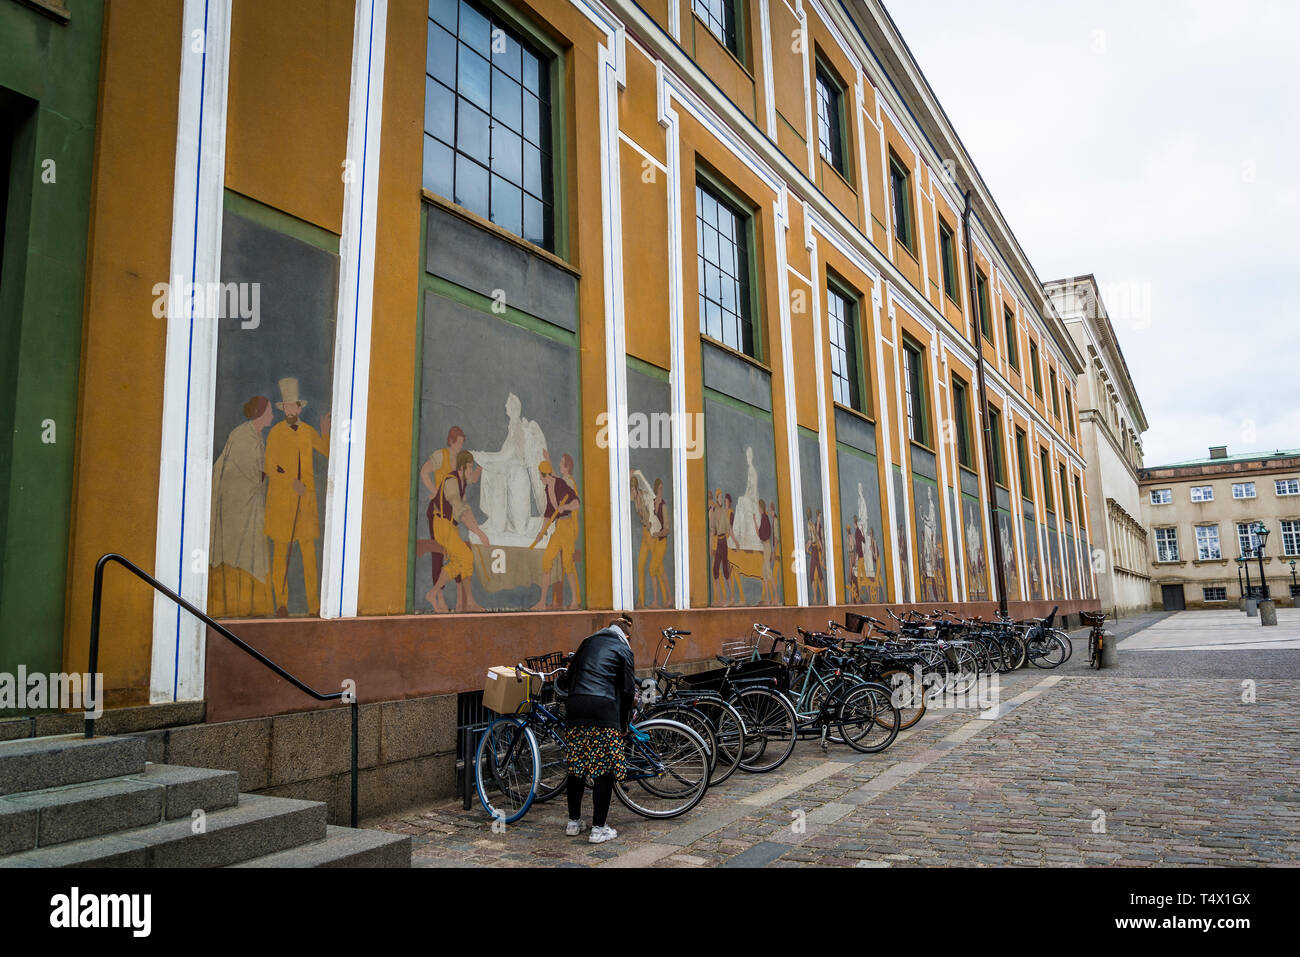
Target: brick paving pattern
[[1079, 769]]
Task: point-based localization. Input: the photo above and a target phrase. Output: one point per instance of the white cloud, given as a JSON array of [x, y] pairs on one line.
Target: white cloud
[[1155, 145]]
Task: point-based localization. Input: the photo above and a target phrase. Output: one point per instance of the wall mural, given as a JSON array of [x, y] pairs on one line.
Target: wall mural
[[501, 524], [904, 591], [813, 565], [651, 501], [1072, 554], [744, 529], [865, 561], [1033, 567], [977, 570], [926, 513], [1010, 567], [1054, 549], [271, 423]]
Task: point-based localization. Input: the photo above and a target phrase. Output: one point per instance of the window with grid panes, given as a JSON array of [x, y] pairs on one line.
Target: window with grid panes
[[1166, 544], [844, 350], [1215, 594], [900, 198], [982, 304], [830, 119], [1247, 540], [720, 17], [722, 245], [1049, 499], [1202, 493], [1207, 543], [948, 255], [995, 439], [1290, 537], [1243, 489], [1022, 459], [914, 386], [1286, 486], [1033, 362], [1009, 320], [487, 120], [961, 416], [1161, 496]]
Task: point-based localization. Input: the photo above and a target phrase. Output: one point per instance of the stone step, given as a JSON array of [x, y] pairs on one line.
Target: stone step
[[343, 847], [33, 764], [258, 825], [74, 811]]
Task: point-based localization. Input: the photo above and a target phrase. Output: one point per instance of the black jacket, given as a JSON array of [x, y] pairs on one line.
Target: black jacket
[[601, 682]]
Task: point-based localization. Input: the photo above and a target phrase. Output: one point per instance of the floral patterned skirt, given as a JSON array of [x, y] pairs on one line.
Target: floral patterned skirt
[[592, 752]]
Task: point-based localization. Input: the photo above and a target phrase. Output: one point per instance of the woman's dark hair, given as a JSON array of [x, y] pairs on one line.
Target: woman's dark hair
[[256, 406], [622, 621]]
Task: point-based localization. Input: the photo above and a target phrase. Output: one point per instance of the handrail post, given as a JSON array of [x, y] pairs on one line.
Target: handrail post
[[355, 706], [96, 599]]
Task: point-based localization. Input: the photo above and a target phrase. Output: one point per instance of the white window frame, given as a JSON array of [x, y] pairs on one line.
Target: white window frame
[[1205, 543], [1250, 536], [1166, 496], [1243, 489], [1288, 486], [1167, 550], [1202, 493], [1205, 592], [1291, 537]]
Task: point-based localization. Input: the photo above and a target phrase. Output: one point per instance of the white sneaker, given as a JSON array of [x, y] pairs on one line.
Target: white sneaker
[[599, 835], [574, 828]]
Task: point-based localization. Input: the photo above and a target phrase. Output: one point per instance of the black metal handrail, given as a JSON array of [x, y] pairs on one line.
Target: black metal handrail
[[220, 629]]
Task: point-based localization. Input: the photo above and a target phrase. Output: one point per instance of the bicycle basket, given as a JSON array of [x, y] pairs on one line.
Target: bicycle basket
[[742, 648], [854, 623], [1092, 619], [547, 662]]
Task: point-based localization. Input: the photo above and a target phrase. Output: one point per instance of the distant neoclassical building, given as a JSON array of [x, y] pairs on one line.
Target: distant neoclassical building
[[1112, 422]]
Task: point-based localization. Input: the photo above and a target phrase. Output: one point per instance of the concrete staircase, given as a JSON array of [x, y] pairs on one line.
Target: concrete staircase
[[69, 801]]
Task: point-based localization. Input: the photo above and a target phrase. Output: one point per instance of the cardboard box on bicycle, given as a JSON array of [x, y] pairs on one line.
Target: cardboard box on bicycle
[[503, 692]]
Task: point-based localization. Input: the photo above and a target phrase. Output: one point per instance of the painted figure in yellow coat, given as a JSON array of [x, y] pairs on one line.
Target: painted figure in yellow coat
[[562, 513], [448, 511], [291, 513]]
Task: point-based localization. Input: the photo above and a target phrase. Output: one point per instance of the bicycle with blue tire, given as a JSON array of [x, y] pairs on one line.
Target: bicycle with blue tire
[[668, 763]]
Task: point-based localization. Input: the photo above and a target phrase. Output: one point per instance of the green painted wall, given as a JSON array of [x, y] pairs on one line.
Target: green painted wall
[[49, 81]]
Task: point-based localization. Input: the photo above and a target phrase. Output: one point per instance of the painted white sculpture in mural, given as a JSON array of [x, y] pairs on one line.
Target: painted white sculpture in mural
[[745, 526], [868, 557], [929, 538], [643, 499], [511, 491]]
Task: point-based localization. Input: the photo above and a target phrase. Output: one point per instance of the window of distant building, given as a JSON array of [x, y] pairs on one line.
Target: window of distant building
[[830, 119], [1290, 537], [1009, 322], [918, 426], [961, 419], [1033, 364], [1161, 496], [1166, 544], [1202, 493], [1243, 489], [1022, 460], [1247, 541], [995, 438], [1207, 543], [1287, 486], [846, 381], [1215, 594], [982, 304], [1049, 500]]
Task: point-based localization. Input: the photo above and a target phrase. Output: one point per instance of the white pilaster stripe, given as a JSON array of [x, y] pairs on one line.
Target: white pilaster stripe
[[185, 470], [341, 560]]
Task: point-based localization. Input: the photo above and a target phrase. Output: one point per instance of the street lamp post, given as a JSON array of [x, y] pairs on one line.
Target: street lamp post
[[1241, 588], [1267, 610], [1292, 564], [1250, 602]]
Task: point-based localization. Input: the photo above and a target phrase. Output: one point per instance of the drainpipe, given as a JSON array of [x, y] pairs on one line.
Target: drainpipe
[[987, 434]]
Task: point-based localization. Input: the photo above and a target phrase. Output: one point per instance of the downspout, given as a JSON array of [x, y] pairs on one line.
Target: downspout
[[998, 573]]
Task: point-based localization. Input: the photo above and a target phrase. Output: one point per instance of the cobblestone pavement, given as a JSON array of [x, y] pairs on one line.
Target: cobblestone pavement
[[1079, 769]]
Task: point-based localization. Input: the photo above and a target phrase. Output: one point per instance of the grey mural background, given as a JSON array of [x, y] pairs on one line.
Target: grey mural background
[[813, 516], [1033, 564], [902, 540], [729, 429], [648, 394], [977, 570], [293, 338], [858, 469], [1054, 549], [472, 362]]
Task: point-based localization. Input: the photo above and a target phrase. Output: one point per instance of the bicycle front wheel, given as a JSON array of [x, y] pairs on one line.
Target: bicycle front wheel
[[728, 733], [869, 721], [507, 769], [667, 774], [1047, 652], [771, 729]]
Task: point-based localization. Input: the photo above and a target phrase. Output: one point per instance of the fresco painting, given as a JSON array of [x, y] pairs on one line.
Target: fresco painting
[[271, 425], [977, 569], [866, 563], [651, 493], [813, 566], [743, 521], [499, 523], [931, 565]]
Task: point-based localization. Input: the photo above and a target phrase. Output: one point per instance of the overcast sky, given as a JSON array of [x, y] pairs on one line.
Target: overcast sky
[[1156, 144]]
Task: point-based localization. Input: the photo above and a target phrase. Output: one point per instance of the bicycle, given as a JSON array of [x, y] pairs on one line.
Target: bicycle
[[668, 763], [1096, 637]]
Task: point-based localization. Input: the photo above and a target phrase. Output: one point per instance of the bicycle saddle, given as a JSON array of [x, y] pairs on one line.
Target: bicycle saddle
[[728, 660], [670, 675]]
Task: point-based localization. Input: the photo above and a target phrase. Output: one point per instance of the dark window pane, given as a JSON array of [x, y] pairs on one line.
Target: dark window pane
[[505, 100], [471, 186], [507, 205], [533, 170], [474, 78], [532, 123], [507, 154], [439, 110], [440, 58], [472, 128], [534, 221], [439, 161], [475, 30], [506, 53], [444, 11], [532, 73]]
